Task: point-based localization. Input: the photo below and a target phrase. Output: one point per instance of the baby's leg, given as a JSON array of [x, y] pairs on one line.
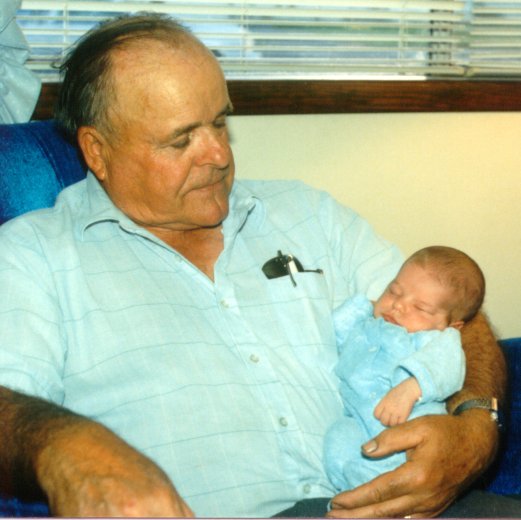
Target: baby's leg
[[361, 469], [342, 445]]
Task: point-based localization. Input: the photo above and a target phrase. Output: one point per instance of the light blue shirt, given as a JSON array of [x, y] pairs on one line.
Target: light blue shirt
[[229, 385]]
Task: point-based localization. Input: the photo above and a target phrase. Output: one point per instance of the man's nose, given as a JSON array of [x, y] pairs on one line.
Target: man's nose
[[215, 148]]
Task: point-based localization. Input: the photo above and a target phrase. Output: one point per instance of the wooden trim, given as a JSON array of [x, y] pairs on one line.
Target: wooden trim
[[327, 97]]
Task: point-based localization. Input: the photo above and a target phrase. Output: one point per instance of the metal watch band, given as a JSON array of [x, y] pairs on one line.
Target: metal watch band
[[490, 404]]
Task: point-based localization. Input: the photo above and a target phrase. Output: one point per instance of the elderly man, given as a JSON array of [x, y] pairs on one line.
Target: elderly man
[[145, 347]]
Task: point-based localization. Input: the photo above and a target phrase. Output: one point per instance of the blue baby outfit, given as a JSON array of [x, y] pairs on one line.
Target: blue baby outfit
[[375, 356]]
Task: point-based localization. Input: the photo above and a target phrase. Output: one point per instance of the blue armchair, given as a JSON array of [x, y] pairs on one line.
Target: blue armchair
[[36, 163]]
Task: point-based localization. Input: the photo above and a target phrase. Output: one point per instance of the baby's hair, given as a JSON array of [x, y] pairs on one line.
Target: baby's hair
[[456, 270]]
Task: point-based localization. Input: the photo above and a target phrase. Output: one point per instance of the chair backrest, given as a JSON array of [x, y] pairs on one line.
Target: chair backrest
[[504, 477], [36, 163]]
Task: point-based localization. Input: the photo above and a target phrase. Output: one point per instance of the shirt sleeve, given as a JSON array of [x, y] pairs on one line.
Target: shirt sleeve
[[438, 366], [19, 87], [368, 261], [32, 348]]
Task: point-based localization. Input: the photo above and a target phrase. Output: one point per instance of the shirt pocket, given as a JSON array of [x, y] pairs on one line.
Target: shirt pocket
[[302, 313]]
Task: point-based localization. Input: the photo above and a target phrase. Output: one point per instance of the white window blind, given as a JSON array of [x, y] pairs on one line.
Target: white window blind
[[309, 38], [495, 39]]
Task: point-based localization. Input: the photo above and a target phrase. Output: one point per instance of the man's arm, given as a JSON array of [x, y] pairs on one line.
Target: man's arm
[[486, 367], [82, 467], [445, 454]]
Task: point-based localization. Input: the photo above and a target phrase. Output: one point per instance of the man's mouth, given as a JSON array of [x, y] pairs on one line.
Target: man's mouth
[[212, 181]]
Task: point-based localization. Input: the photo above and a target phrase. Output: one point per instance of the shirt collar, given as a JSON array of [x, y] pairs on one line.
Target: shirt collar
[[98, 208], [244, 205]]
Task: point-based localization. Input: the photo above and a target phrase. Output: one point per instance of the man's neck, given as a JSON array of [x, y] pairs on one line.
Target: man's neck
[[200, 246]]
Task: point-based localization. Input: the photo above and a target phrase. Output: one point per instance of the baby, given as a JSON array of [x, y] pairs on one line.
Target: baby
[[400, 357]]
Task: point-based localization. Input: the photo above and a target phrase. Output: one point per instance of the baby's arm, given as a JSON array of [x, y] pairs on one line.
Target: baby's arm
[[396, 405]]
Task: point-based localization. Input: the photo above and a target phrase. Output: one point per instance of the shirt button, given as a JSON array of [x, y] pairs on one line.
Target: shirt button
[[254, 358], [225, 304], [283, 421], [306, 488]]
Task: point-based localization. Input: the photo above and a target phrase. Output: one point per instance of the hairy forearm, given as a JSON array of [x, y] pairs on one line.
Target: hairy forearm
[[28, 423], [486, 377], [486, 374], [79, 465]]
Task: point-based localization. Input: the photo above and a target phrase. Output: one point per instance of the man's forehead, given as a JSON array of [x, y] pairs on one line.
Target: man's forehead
[[153, 49], [150, 83], [154, 65]]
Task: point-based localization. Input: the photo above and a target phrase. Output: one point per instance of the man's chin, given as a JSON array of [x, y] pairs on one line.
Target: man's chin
[[212, 219], [212, 210]]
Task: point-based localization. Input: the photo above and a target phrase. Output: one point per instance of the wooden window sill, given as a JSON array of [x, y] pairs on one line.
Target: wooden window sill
[[272, 97]]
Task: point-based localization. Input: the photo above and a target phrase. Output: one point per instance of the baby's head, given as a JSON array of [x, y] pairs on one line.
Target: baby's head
[[437, 287]]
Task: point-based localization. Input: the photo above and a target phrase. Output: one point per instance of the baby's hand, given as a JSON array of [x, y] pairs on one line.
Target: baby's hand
[[395, 407]]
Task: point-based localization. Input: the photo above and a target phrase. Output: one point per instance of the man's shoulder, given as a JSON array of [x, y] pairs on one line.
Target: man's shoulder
[[276, 187], [291, 193]]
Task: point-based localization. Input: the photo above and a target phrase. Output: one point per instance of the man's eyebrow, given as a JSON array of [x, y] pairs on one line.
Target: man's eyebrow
[[227, 110]]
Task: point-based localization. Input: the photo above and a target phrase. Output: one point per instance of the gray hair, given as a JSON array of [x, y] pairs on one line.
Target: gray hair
[[87, 91]]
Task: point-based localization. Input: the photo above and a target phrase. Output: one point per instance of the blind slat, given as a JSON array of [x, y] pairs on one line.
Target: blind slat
[[251, 38]]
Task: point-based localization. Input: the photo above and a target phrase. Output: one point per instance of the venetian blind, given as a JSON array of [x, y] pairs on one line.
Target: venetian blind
[[309, 38], [494, 47]]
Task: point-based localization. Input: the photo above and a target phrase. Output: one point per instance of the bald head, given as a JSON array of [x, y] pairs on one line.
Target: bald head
[[88, 88]]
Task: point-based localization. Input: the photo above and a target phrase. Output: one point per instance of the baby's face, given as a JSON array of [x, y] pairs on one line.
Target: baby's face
[[416, 300]]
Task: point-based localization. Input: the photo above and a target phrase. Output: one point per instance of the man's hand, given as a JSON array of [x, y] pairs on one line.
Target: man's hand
[[396, 405], [444, 455], [87, 471]]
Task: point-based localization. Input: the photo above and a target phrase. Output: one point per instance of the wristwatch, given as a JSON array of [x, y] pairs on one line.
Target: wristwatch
[[490, 404]]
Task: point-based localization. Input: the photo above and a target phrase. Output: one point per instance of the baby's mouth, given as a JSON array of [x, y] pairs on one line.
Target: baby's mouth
[[389, 319]]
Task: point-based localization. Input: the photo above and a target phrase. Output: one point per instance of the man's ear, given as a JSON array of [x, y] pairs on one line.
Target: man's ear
[[94, 148], [457, 324]]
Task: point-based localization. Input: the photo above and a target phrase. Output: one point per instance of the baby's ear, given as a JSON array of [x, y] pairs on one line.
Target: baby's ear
[[457, 324]]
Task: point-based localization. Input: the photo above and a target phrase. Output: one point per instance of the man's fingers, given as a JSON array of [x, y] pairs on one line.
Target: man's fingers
[[397, 508], [385, 487], [401, 437], [387, 496]]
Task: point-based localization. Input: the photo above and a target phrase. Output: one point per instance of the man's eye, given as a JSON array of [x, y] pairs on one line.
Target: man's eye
[[181, 143], [219, 123]]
